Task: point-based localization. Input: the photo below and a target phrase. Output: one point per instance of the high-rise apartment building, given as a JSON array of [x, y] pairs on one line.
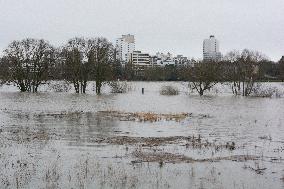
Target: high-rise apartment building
[[211, 49], [124, 46]]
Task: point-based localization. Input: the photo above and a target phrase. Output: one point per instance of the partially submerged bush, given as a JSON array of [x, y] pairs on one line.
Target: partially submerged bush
[[59, 86], [119, 87], [262, 91], [169, 90]]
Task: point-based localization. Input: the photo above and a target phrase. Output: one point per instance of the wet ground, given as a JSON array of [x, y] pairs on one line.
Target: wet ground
[[65, 140]]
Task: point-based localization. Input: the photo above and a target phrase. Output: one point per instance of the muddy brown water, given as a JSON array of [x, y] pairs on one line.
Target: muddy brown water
[[64, 140]]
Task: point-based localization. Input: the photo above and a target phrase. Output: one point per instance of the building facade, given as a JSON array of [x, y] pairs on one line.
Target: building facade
[[161, 59], [181, 60], [124, 46], [211, 49], [137, 58], [166, 59], [140, 61]]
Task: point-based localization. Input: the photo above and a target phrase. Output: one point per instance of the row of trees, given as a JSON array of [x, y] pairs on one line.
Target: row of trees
[[241, 69], [30, 62]]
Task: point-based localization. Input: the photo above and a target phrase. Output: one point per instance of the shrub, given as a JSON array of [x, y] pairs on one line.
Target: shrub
[[169, 90], [119, 87], [59, 86], [261, 91]]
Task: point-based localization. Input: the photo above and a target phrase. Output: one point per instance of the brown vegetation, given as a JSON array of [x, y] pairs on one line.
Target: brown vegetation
[[165, 157], [143, 116], [187, 141]]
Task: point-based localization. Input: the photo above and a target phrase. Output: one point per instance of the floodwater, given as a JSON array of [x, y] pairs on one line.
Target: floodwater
[[131, 140]]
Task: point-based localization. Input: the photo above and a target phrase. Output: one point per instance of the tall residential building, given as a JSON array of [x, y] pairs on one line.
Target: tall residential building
[[211, 49], [124, 46]]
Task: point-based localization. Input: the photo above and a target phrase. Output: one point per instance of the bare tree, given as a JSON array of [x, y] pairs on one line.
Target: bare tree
[[76, 63], [4, 71], [87, 59], [204, 75], [281, 68], [233, 70], [129, 71], [243, 70], [29, 61], [101, 54], [57, 70]]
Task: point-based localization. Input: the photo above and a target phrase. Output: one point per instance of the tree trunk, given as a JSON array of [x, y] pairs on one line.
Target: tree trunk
[[84, 86], [22, 87], [243, 88], [98, 87], [76, 86]]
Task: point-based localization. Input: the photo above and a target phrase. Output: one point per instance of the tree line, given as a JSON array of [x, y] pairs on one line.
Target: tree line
[[28, 63]]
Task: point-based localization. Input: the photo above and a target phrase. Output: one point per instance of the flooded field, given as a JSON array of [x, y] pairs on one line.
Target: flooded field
[[65, 140]]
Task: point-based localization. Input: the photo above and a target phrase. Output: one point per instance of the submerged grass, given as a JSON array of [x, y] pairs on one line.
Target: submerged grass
[[143, 116], [146, 156]]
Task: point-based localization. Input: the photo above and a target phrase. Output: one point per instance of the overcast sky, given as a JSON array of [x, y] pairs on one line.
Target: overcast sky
[[177, 26]]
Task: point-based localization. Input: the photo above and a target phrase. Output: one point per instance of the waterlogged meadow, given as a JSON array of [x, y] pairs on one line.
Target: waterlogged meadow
[[132, 140]]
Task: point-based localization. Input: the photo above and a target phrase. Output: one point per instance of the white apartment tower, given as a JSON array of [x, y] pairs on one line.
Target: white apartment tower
[[124, 46], [211, 49]]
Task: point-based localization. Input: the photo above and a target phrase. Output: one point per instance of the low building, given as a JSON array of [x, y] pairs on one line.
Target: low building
[[161, 59], [181, 60], [140, 61]]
